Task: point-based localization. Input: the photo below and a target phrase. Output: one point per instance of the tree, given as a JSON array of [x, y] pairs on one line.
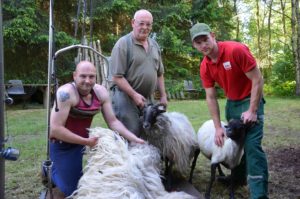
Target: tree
[[26, 40], [296, 41]]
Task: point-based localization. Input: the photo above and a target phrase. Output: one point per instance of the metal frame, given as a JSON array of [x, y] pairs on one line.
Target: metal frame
[[52, 81], [2, 161]]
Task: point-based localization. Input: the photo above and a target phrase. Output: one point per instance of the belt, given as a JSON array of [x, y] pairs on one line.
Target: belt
[[240, 100], [53, 140]]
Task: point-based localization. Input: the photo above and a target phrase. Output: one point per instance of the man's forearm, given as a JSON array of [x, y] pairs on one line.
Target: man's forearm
[[161, 86], [123, 84], [256, 94]]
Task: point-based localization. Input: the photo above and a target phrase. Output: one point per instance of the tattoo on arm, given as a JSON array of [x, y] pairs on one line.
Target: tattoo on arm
[[63, 96]]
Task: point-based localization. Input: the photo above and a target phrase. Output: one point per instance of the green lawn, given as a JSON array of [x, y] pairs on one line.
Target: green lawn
[[28, 130]]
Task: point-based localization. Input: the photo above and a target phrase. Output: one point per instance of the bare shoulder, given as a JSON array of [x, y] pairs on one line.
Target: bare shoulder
[[66, 93], [101, 92]]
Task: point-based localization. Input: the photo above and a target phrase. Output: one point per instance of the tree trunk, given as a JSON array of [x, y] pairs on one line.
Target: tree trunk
[[296, 41], [282, 5], [258, 35], [270, 38], [237, 36]]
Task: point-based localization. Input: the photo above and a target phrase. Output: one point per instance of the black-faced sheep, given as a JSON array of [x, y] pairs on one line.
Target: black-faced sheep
[[229, 154], [174, 136]]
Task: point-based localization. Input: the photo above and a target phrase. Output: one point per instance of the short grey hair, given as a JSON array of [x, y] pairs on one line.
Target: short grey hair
[[141, 11]]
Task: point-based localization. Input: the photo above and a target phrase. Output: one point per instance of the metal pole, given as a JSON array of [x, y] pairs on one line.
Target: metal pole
[[48, 162], [2, 161], [50, 54]]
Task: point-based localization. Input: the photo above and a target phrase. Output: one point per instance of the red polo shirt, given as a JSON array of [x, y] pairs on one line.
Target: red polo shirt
[[234, 60]]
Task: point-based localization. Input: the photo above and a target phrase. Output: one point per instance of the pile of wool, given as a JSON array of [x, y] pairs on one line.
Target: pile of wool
[[116, 169]]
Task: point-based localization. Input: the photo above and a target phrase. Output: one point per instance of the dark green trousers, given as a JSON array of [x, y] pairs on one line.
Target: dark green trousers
[[254, 164]]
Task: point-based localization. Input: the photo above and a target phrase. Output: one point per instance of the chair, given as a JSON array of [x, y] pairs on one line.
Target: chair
[[188, 86], [15, 87]]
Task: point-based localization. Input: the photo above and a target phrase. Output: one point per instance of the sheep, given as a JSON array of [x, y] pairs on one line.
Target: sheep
[[174, 136], [229, 154], [116, 169]]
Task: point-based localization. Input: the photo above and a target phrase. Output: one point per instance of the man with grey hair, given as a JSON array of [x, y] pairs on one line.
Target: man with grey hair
[[137, 70]]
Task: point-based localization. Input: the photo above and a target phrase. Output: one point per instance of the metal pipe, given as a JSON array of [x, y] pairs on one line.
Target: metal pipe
[[80, 46], [50, 69], [2, 161]]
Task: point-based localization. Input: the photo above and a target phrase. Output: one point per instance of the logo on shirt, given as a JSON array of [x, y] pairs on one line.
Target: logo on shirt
[[227, 65]]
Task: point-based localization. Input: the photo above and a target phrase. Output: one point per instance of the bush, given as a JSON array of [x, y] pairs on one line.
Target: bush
[[286, 88]]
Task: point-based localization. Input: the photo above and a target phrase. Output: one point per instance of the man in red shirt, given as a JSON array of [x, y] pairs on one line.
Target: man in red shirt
[[232, 66]]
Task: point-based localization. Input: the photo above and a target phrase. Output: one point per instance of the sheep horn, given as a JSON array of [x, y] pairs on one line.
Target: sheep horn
[[161, 107]]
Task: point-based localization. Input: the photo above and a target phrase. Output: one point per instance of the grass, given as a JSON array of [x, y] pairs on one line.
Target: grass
[[28, 131]]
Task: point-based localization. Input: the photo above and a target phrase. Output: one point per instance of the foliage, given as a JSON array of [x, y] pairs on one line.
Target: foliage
[[283, 69], [25, 28], [286, 88], [282, 81], [25, 31]]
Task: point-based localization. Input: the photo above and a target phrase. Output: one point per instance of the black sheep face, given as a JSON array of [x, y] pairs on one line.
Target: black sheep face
[[150, 114], [235, 129]]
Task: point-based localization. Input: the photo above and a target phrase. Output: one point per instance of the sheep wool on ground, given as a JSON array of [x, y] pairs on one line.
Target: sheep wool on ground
[[116, 169]]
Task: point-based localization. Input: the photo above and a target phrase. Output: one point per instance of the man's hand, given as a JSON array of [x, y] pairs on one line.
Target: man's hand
[[219, 137], [249, 117], [139, 100], [164, 100], [139, 140], [92, 141]]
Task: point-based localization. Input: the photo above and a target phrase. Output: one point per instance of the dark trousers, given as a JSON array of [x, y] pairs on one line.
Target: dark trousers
[[127, 112], [254, 164]]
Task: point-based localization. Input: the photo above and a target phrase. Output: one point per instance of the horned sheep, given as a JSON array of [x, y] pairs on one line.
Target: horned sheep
[[173, 134]]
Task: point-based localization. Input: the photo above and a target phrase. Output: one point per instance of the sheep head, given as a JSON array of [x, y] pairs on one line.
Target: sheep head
[[150, 112], [236, 129]]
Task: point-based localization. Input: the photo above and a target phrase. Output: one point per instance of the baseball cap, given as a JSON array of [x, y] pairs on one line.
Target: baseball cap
[[199, 29]]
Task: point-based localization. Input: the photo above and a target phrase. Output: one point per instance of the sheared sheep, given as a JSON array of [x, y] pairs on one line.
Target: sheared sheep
[[116, 170], [173, 134], [229, 154]]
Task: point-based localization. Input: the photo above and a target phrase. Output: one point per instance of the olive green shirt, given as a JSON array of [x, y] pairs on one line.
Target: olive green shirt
[[143, 67]]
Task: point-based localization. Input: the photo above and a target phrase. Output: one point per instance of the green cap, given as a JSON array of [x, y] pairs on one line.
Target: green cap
[[199, 29]]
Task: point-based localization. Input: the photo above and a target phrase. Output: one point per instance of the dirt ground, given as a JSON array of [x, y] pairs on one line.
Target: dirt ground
[[284, 176], [284, 171]]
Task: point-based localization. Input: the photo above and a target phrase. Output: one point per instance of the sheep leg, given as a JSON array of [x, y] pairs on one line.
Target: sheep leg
[[168, 173], [231, 187], [221, 173], [212, 179], [166, 166], [196, 154]]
